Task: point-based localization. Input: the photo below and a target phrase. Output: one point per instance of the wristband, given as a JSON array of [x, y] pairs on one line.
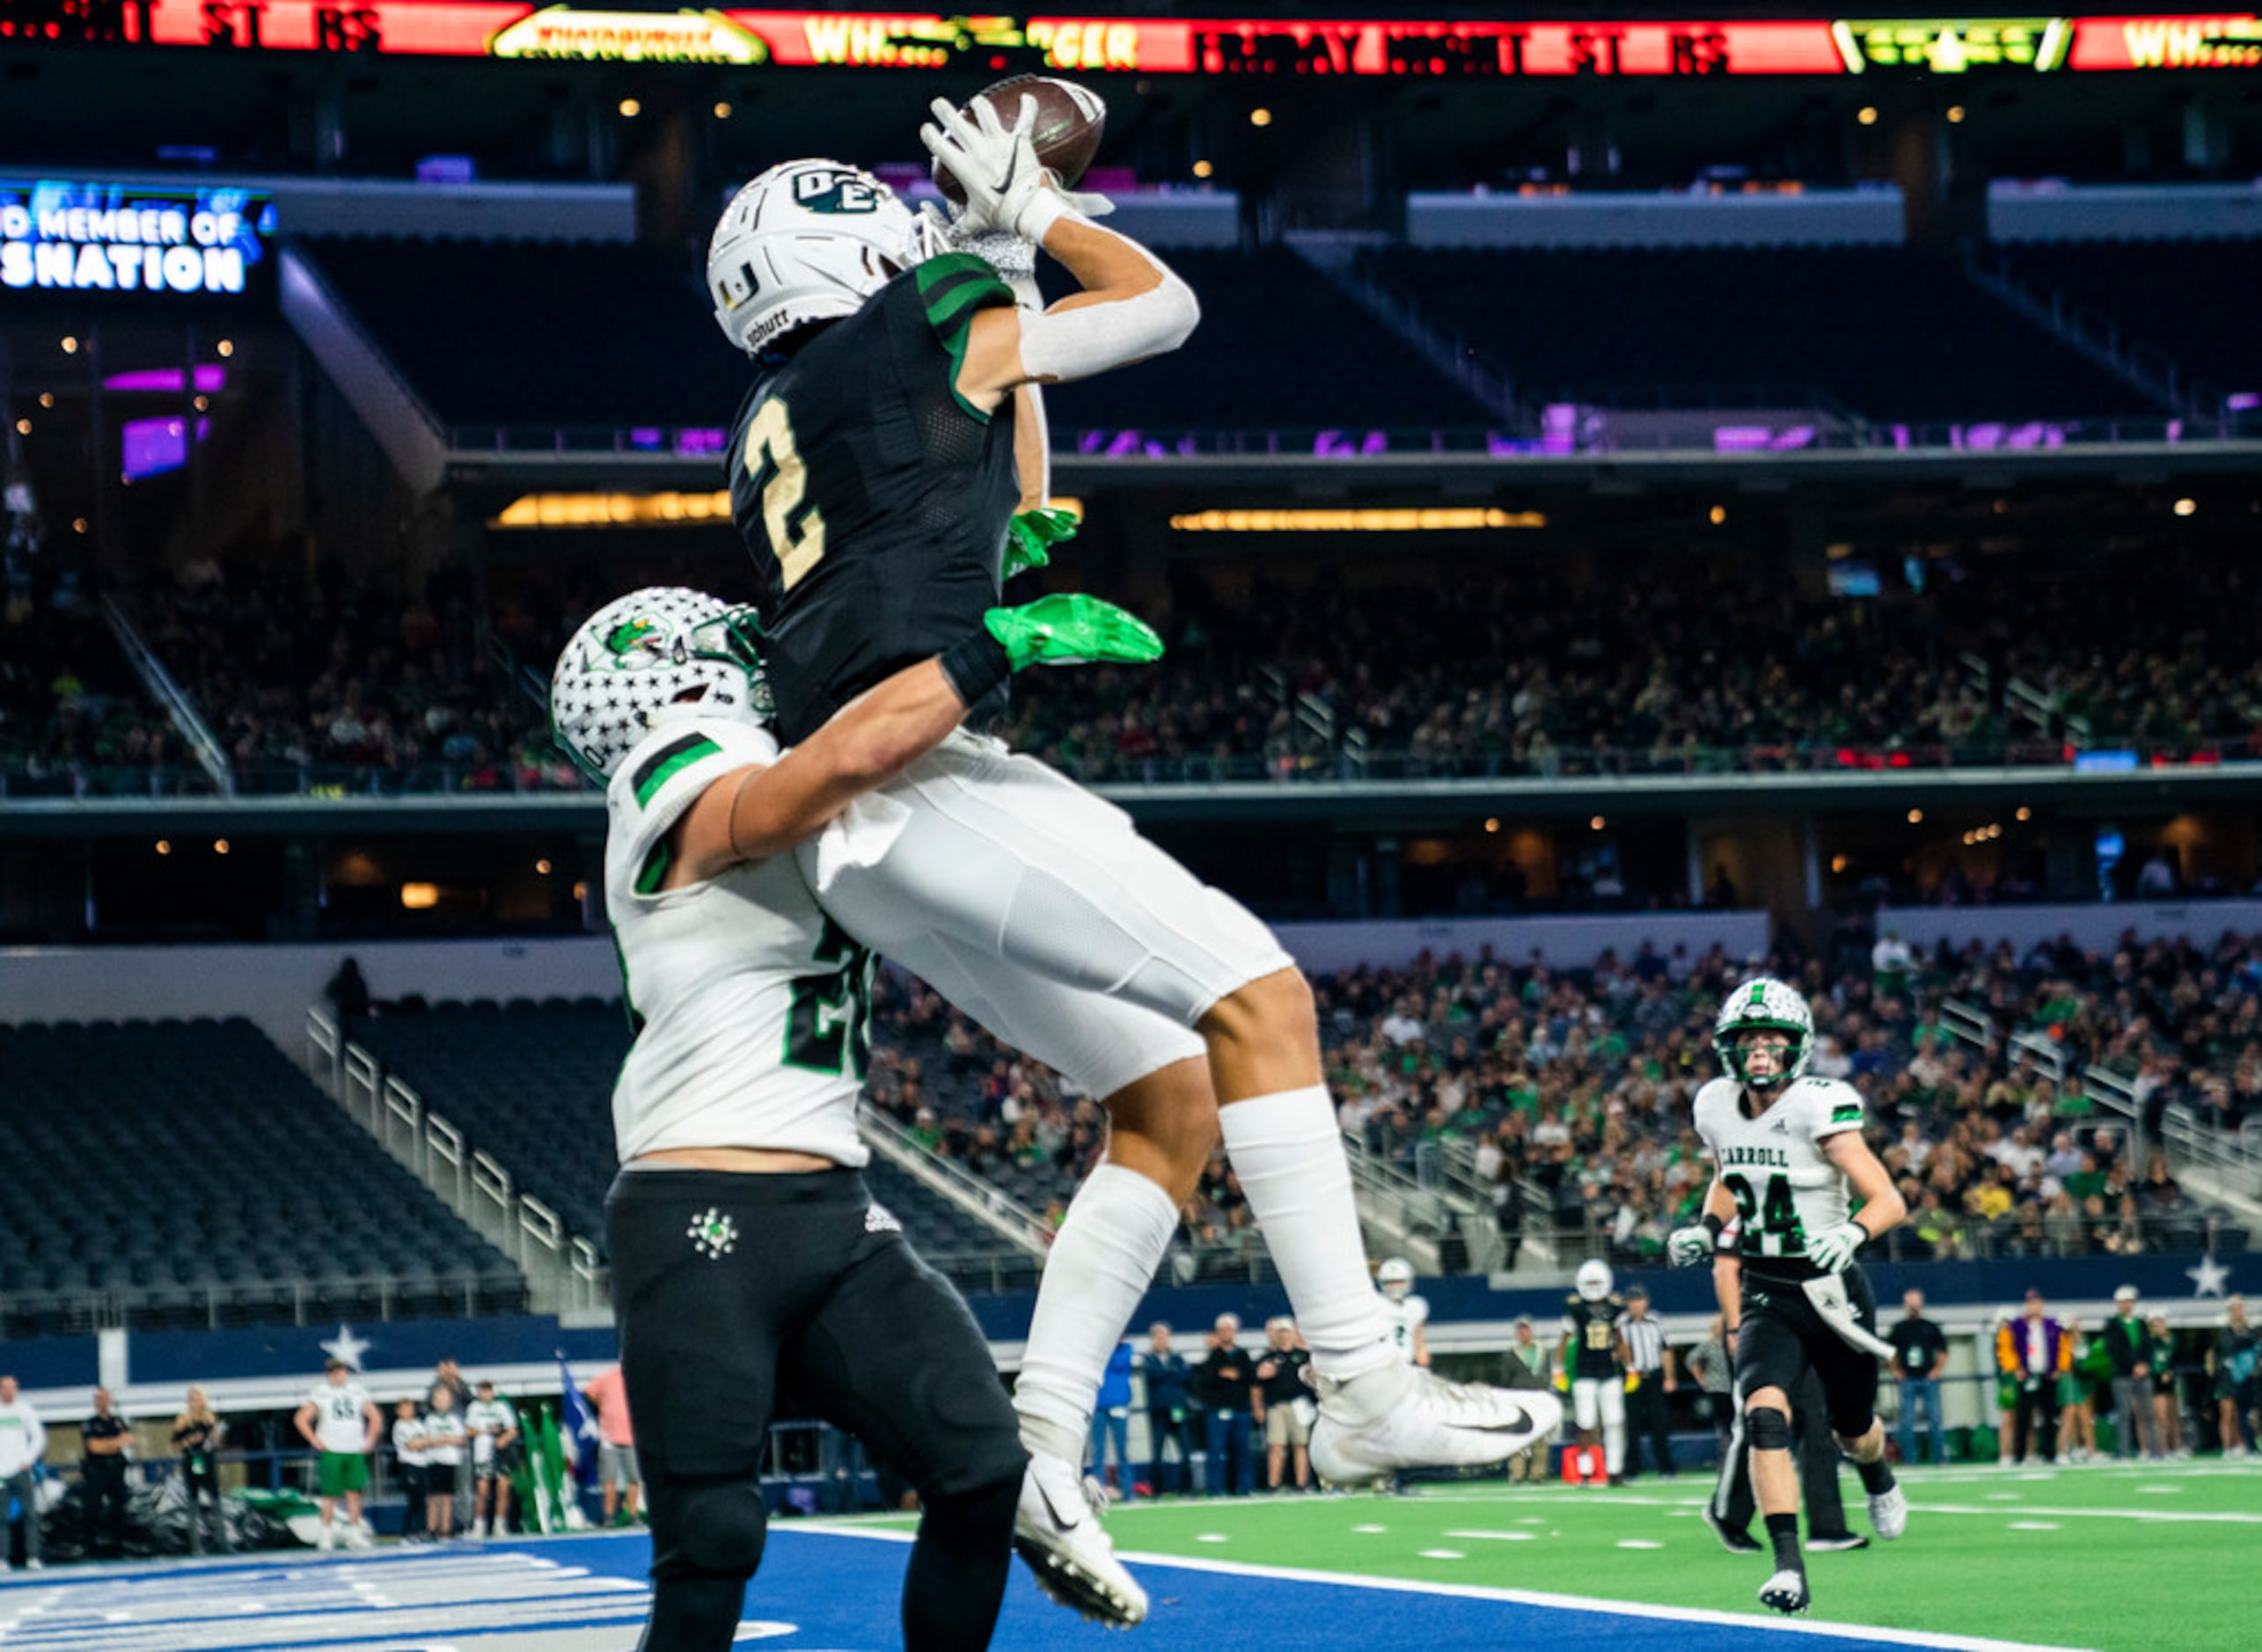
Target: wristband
[[976, 667], [1712, 1224]]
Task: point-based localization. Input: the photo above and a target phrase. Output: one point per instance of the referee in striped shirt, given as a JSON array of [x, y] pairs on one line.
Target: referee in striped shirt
[[1652, 1367]]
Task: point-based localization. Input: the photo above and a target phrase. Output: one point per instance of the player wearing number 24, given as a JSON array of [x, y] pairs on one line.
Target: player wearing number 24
[[1787, 1147]]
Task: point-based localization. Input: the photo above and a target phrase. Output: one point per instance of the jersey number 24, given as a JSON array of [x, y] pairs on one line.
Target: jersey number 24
[[1771, 1219], [793, 524]]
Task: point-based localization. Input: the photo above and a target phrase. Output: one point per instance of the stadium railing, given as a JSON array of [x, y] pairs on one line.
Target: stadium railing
[[1145, 441], [274, 1301], [1353, 763]]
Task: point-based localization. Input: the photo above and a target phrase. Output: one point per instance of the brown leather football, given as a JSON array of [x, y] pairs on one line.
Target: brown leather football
[[1070, 119]]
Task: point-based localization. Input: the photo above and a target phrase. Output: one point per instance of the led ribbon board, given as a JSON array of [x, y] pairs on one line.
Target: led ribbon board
[[1155, 46], [83, 237]]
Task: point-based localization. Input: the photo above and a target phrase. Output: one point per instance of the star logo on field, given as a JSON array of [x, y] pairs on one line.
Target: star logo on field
[[2209, 1277], [346, 1346]]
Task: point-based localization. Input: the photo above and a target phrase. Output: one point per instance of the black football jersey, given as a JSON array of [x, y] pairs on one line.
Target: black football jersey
[[1592, 1328], [875, 499]]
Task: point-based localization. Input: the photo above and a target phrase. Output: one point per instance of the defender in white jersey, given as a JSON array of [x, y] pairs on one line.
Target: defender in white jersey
[[746, 1254], [1786, 1148]]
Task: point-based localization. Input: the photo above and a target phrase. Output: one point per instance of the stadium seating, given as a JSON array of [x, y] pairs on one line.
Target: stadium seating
[[1890, 333], [175, 1165], [617, 336], [531, 1085], [1301, 355], [540, 333], [2192, 301], [73, 718]]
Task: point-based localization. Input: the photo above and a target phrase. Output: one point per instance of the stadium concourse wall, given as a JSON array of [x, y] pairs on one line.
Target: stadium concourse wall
[[271, 986], [2093, 928], [2039, 209], [265, 1368]]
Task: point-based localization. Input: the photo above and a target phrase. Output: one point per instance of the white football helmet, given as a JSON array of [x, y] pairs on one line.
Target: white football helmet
[[1764, 1003], [807, 241], [641, 659], [1396, 1278], [1595, 1279]]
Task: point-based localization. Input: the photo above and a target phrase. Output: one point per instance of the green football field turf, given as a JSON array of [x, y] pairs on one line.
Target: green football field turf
[[2160, 1558]]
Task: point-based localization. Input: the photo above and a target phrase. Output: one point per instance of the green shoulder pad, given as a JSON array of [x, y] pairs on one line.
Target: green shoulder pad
[[951, 287]]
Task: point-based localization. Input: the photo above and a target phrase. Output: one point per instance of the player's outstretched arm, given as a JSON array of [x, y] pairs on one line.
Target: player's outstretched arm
[[761, 810]]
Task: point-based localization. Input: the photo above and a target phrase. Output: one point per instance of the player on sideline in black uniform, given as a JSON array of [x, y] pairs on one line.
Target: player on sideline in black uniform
[[746, 1252], [1593, 1362], [876, 469], [1785, 1148]]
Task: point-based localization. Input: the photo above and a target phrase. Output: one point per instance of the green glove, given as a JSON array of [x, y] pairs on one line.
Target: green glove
[[1071, 630], [1032, 535]]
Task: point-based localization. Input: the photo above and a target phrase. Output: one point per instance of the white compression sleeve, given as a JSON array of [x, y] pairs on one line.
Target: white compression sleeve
[[1102, 1262], [1059, 345]]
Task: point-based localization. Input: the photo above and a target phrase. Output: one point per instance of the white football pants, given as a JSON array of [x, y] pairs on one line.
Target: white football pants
[[1599, 1402], [1036, 907]]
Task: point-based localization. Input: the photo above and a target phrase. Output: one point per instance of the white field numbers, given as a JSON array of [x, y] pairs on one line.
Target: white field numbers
[[795, 528]]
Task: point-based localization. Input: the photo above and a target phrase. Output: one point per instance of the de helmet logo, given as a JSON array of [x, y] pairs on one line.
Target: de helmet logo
[[820, 190]]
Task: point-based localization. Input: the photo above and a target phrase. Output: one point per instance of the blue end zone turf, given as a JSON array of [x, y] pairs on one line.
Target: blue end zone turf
[[818, 1589]]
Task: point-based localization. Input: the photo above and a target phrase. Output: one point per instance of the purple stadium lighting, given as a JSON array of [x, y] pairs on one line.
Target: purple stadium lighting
[[210, 379]]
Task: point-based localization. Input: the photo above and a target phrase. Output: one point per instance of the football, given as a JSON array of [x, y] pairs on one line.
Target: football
[[1069, 122]]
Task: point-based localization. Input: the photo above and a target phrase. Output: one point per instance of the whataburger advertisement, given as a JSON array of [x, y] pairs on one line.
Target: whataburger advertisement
[[1174, 46]]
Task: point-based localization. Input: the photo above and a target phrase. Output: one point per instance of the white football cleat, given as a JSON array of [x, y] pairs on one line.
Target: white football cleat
[[1889, 1514], [1057, 1531], [327, 1540], [358, 1537], [1402, 1417], [1785, 1591]]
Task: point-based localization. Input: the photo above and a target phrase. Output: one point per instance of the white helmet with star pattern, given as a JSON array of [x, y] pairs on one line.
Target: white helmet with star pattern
[[1764, 1004], [661, 652]]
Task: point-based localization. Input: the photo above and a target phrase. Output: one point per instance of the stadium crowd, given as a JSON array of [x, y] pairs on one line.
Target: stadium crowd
[[1532, 669], [1565, 1093]]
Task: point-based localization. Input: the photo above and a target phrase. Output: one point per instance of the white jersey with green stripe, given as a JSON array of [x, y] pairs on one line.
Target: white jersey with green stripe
[[1784, 1185], [751, 1009]]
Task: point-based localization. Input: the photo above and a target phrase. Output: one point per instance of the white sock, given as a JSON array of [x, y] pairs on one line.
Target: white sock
[[1289, 1156], [1103, 1260]]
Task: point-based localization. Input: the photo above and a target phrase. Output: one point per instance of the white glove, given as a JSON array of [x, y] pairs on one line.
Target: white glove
[[1686, 1247], [1834, 1247], [997, 166]]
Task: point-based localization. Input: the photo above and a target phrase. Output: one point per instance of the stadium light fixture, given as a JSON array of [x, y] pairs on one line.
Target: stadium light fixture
[[164, 847], [1409, 519], [23, 427], [419, 898], [78, 524], [1916, 817], [542, 869], [226, 347], [2025, 813], [630, 108], [46, 398], [219, 845], [1955, 114], [1867, 115], [1260, 117], [1597, 824], [70, 345], [722, 112], [1202, 169], [2187, 507], [1492, 824], [1717, 515]]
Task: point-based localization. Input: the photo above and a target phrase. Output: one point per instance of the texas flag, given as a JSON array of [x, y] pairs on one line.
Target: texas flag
[[577, 1433]]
